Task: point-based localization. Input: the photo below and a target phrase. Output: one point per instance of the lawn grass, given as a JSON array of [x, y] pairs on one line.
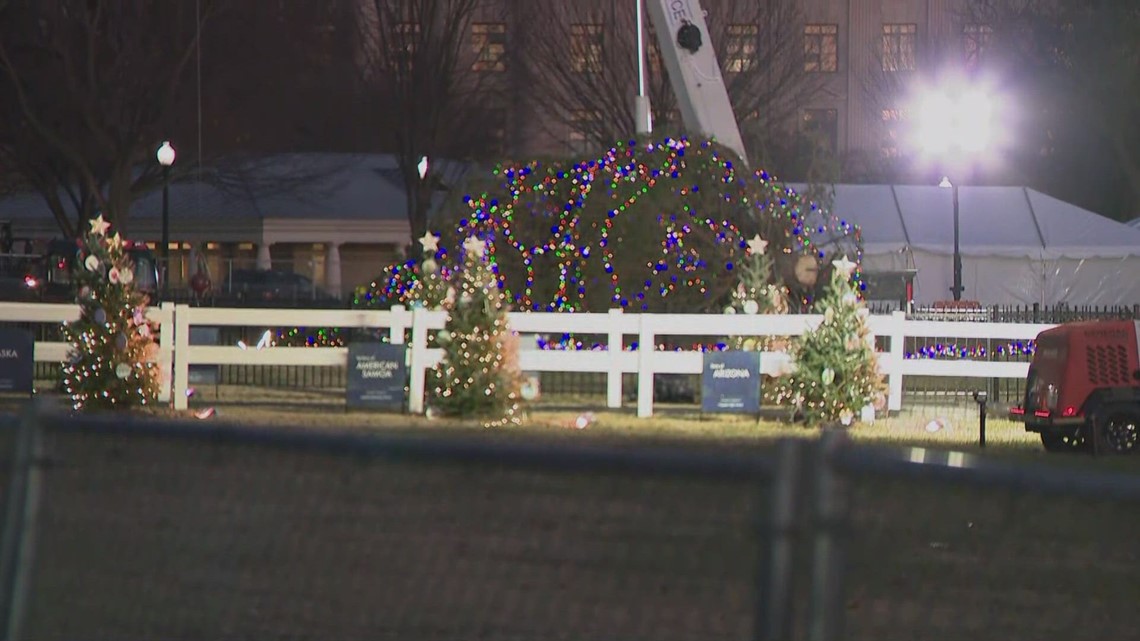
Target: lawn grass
[[152, 538]]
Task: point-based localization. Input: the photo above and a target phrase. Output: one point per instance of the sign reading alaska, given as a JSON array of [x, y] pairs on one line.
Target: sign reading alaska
[[730, 382], [17, 360]]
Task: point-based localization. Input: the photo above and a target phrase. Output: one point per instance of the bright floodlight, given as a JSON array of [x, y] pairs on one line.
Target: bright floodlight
[[422, 167], [165, 154], [955, 119]]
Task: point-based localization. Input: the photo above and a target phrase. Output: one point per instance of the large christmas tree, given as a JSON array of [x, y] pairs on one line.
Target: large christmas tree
[[479, 375], [110, 364], [836, 371]]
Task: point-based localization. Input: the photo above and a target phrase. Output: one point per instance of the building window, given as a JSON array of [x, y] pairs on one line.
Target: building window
[[496, 130], [821, 48], [740, 47], [583, 122], [892, 132], [670, 118], [975, 40], [586, 48], [402, 48], [899, 47], [489, 44], [822, 124]]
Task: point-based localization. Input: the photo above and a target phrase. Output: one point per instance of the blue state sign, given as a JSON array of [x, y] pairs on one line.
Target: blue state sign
[[730, 382]]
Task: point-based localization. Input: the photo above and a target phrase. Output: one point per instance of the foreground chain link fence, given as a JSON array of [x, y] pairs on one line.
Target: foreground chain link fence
[[126, 529]]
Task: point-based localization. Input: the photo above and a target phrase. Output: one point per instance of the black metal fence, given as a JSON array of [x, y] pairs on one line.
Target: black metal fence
[[122, 529]]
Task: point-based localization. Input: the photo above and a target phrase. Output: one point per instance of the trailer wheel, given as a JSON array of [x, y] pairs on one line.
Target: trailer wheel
[[1119, 430], [1064, 441]]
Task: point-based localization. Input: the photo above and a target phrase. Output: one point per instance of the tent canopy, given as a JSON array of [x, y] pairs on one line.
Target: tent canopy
[[1013, 222]]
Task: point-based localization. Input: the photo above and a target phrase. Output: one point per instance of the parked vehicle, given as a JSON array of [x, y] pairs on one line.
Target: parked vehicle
[[273, 287], [44, 271], [1083, 387]]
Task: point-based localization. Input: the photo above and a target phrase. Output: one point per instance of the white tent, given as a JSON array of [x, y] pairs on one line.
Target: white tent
[[1018, 245]]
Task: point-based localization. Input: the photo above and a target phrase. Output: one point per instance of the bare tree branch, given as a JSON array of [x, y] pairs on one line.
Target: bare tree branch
[[591, 79], [437, 84], [115, 69]]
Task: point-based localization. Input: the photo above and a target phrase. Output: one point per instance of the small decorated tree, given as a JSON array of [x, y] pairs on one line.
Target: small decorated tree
[[112, 343], [756, 293], [430, 286], [835, 372], [479, 374]]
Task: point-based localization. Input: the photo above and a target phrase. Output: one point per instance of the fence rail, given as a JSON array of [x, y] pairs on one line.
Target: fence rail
[[412, 327], [146, 529]]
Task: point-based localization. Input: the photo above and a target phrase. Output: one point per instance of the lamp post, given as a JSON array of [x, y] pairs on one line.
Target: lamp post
[[421, 170], [642, 113], [165, 156], [955, 126], [956, 288]]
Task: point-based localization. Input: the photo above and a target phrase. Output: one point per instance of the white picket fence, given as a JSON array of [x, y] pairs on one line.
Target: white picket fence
[[178, 355]]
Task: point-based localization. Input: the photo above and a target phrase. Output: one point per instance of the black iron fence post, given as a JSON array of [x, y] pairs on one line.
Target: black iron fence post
[[776, 587], [981, 398], [832, 510], [17, 545]]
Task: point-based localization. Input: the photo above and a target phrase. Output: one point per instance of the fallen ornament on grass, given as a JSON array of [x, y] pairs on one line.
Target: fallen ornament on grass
[[937, 425]]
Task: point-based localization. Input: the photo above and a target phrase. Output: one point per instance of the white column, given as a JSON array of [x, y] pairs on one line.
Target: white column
[[332, 268], [263, 258]]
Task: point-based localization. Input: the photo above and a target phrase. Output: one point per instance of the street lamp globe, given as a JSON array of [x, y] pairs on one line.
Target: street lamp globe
[[165, 154], [955, 121]]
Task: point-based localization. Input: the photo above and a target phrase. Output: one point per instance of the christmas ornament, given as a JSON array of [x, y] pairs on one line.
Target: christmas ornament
[[100, 316], [122, 370]]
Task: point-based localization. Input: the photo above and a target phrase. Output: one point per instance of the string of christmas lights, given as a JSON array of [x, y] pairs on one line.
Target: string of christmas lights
[[977, 352], [111, 361], [649, 226]]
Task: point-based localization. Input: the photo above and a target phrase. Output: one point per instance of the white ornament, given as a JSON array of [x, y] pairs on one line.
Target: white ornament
[[475, 246], [122, 370], [91, 263], [126, 276], [429, 266], [846, 417], [730, 310], [430, 242], [828, 376], [751, 307], [867, 414], [529, 389], [757, 245], [937, 425]]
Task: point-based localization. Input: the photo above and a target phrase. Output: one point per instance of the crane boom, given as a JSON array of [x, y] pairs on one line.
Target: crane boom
[[694, 72]]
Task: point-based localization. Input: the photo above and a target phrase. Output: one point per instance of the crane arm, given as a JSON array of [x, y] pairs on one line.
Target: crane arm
[[694, 72]]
